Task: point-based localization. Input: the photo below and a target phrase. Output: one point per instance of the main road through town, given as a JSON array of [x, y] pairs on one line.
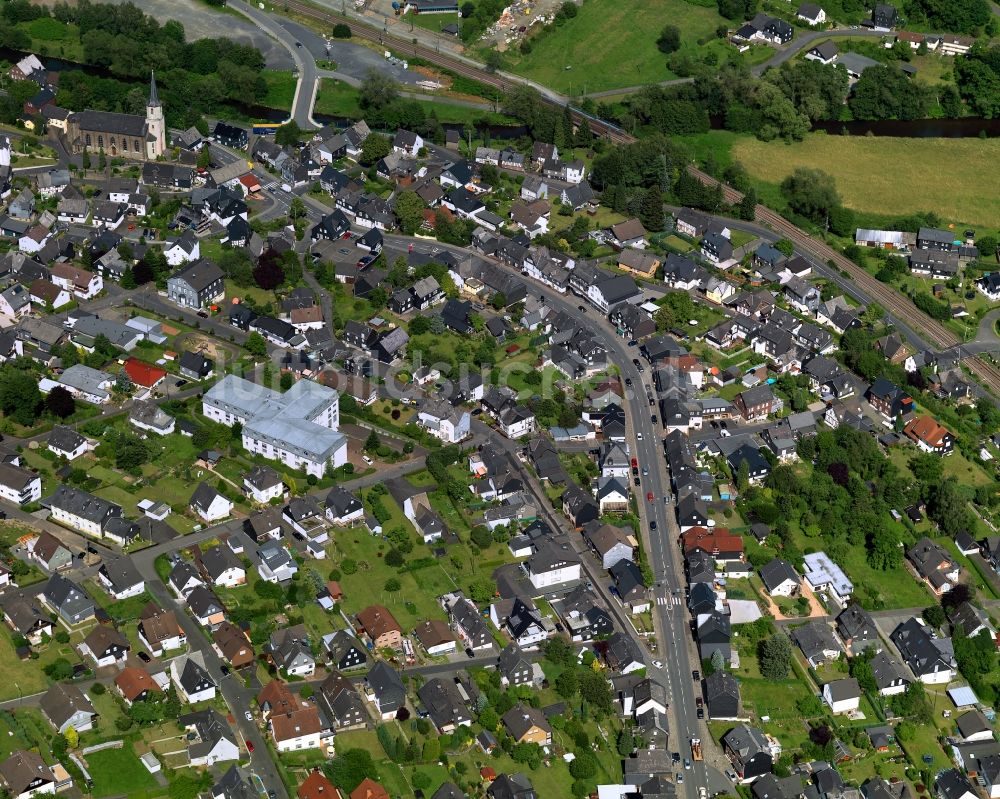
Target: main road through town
[[676, 649]]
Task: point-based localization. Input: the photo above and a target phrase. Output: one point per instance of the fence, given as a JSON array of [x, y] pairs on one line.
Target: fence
[[106, 745]]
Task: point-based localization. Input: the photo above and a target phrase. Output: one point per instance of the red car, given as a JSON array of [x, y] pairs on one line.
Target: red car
[[649, 496], [250, 746]]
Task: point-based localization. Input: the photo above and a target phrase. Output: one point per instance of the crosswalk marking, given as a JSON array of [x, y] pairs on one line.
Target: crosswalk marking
[[673, 601]]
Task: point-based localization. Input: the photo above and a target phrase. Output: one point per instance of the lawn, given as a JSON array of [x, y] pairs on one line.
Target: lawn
[[337, 99], [17, 678], [430, 22], [25, 730], [280, 89], [117, 772], [590, 53], [962, 191], [413, 603]]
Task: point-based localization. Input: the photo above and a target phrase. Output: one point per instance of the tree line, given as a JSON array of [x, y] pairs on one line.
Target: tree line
[[192, 77]]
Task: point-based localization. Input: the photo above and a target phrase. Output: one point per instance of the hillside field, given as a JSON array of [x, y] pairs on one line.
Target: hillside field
[[890, 176], [611, 44]]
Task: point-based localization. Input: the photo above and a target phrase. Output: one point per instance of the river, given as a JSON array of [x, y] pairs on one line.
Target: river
[[961, 128]]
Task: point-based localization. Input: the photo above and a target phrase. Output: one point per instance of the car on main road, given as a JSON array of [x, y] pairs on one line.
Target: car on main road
[[628, 381], [639, 436], [649, 496], [652, 524], [687, 763], [248, 715], [250, 747]]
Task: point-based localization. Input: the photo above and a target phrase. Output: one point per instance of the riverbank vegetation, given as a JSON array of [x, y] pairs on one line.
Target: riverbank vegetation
[[193, 78]]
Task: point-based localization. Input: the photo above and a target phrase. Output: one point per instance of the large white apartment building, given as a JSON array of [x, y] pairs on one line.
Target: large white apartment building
[[298, 428]]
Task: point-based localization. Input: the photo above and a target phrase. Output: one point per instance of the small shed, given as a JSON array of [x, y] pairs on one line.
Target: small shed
[[150, 762]]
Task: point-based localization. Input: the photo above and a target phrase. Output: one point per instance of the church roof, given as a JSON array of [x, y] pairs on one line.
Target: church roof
[[110, 122]]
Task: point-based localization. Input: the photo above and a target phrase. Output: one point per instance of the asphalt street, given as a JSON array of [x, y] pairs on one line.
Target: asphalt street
[[676, 651]]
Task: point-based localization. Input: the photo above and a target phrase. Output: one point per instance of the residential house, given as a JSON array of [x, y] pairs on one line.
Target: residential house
[[722, 696], [65, 598], [930, 658], [842, 696], [385, 690], [191, 679], [444, 704], [209, 504], [929, 436], [526, 724], [159, 630], [65, 706], [381, 627], [121, 578], [749, 751], [340, 701], [934, 565]]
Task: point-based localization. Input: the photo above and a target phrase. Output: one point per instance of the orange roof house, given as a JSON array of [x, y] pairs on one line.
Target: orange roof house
[[381, 627], [250, 183], [928, 435], [317, 786], [717, 541], [369, 789], [144, 374], [135, 684]]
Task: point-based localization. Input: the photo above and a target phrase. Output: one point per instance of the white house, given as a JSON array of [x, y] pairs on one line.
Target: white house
[[19, 485], [779, 578], [183, 250], [444, 422], [842, 696], [210, 504], [552, 565], [262, 484], [191, 679], [811, 14]]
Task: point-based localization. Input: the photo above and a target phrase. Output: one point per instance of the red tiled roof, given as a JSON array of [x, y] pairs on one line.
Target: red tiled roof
[[716, 539], [144, 374], [926, 429], [317, 786]]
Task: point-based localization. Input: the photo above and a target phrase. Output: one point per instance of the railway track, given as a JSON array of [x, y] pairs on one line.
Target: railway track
[[895, 303]]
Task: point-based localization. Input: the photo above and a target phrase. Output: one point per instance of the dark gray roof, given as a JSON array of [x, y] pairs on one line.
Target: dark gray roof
[[61, 701], [110, 122], [776, 572], [199, 275]]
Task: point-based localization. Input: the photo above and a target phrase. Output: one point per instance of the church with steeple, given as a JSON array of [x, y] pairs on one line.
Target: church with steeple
[[140, 138]]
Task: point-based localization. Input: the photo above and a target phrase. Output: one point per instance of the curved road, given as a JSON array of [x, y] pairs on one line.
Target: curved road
[[305, 64], [797, 45]]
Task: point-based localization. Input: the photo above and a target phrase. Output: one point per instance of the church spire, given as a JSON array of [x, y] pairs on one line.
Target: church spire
[[154, 99]]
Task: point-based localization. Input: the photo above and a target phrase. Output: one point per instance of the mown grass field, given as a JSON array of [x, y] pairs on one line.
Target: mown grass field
[[334, 98], [882, 175], [612, 44]]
